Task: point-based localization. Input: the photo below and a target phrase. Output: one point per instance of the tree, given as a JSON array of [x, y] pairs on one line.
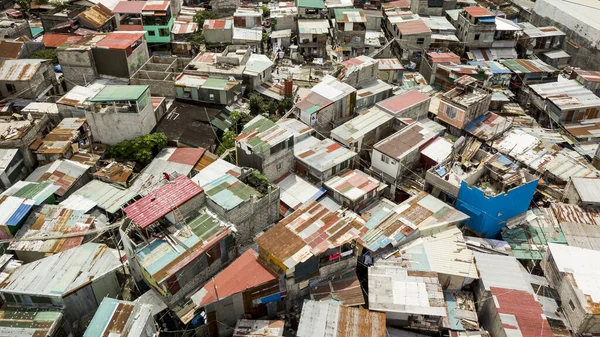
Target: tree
[[141, 149], [204, 15], [266, 11], [227, 142], [45, 54], [257, 105], [197, 40], [265, 38], [235, 117]]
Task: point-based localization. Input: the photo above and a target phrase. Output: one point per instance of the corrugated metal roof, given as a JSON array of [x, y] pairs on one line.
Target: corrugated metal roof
[[520, 313], [78, 96], [394, 289], [205, 81], [55, 40], [413, 27], [97, 15], [587, 188], [329, 319], [488, 126], [228, 192], [356, 128], [313, 26], [19, 70], [31, 190], [322, 155], [260, 134], [396, 104], [528, 66], [295, 191], [129, 7], [244, 273], [120, 40], [529, 234], [218, 24], [64, 272], [477, 11], [156, 6], [13, 211], [63, 173], [390, 64], [162, 201], [501, 271], [6, 157], [438, 150], [61, 137], [119, 318], [405, 141], [184, 28], [351, 15], [258, 328], [354, 185], [581, 235], [52, 220], [584, 267], [309, 231], [29, 322], [100, 194], [344, 288], [110, 93], [567, 95]]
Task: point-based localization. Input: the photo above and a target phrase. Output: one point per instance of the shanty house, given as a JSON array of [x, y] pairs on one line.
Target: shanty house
[[463, 104], [98, 18], [354, 189], [67, 174], [218, 31], [411, 104], [122, 318], [28, 79], [319, 160], [476, 27], [565, 101], [363, 131], [207, 89], [75, 280], [63, 141], [350, 29]]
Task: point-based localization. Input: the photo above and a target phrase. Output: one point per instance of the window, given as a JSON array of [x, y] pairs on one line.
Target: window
[[385, 159], [278, 166], [435, 3], [421, 40], [10, 87], [164, 32], [151, 33], [571, 305], [315, 38], [311, 11], [476, 37], [211, 97]]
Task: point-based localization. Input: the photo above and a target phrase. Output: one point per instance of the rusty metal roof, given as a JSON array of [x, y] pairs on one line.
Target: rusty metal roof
[[19, 70], [96, 15], [120, 40], [309, 231], [61, 137], [64, 272], [477, 11], [120, 318], [328, 318], [63, 173], [115, 172], [52, 220], [402, 142], [55, 40], [129, 7], [10, 49], [258, 328], [344, 288], [396, 104], [413, 27], [29, 322], [156, 6]]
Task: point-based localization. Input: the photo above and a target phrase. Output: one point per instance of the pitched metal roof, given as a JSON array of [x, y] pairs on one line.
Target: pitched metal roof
[[411, 27], [129, 7], [119, 318], [111, 93], [162, 201], [97, 15], [477, 11], [329, 319], [356, 128], [29, 322], [404, 141], [228, 192], [258, 328], [63, 272], [120, 40], [396, 104], [488, 126], [19, 70], [295, 191], [354, 185], [500, 271], [63, 173], [567, 95], [38, 192]]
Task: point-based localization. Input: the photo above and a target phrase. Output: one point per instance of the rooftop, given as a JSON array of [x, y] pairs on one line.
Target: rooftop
[[413, 27], [309, 231], [120, 40], [538, 32], [356, 128], [19, 70], [422, 213], [488, 126], [397, 290], [295, 191], [129, 7], [583, 266], [329, 318], [521, 66], [521, 313], [244, 273], [402, 142], [567, 95], [261, 134], [97, 15], [60, 138], [588, 75], [258, 328], [390, 64], [529, 233], [154, 6], [322, 155], [588, 189], [63, 173], [205, 82], [202, 230], [215, 170], [439, 23], [29, 322], [79, 96], [478, 12], [38, 192], [13, 211], [119, 318], [218, 24], [228, 192], [349, 15], [355, 185], [64, 272], [162, 201], [396, 104], [319, 4], [257, 64], [313, 26], [501, 271], [52, 220], [111, 93], [438, 150]]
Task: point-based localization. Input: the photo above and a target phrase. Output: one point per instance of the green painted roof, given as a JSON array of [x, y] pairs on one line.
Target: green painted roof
[[311, 4], [339, 12], [528, 241], [313, 109], [120, 93], [204, 226], [260, 125], [215, 83]]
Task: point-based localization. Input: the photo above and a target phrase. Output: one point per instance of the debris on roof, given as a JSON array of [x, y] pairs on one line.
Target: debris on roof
[[330, 319], [63, 173], [120, 318], [258, 328]]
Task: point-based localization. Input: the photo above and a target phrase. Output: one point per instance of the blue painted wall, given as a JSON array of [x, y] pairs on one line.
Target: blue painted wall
[[489, 214]]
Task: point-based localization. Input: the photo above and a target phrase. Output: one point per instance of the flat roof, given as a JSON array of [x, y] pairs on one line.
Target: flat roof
[[119, 318], [29, 322], [396, 104], [228, 192], [413, 27], [329, 318], [61, 273], [404, 141], [313, 26], [112, 93], [522, 66], [320, 4], [129, 7], [354, 184], [120, 40], [322, 155], [354, 129], [477, 12]]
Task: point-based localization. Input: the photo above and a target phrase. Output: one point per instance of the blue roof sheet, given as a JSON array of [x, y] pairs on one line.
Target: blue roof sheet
[[19, 215]]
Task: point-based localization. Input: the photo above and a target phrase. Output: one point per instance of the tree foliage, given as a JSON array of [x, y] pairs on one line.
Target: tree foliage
[[227, 142], [45, 54], [197, 39], [266, 12], [259, 106], [204, 15], [140, 149]]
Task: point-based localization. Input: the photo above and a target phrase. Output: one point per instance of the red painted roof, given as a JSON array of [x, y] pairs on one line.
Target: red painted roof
[[54, 40], [444, 57], [400, 102], [156, 5], [244, 273], [159, 203], [120, 40], [413, 27], [130, 7], [396, 4], [527, 311], [353, 62], [186, 155], [477, 11]]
